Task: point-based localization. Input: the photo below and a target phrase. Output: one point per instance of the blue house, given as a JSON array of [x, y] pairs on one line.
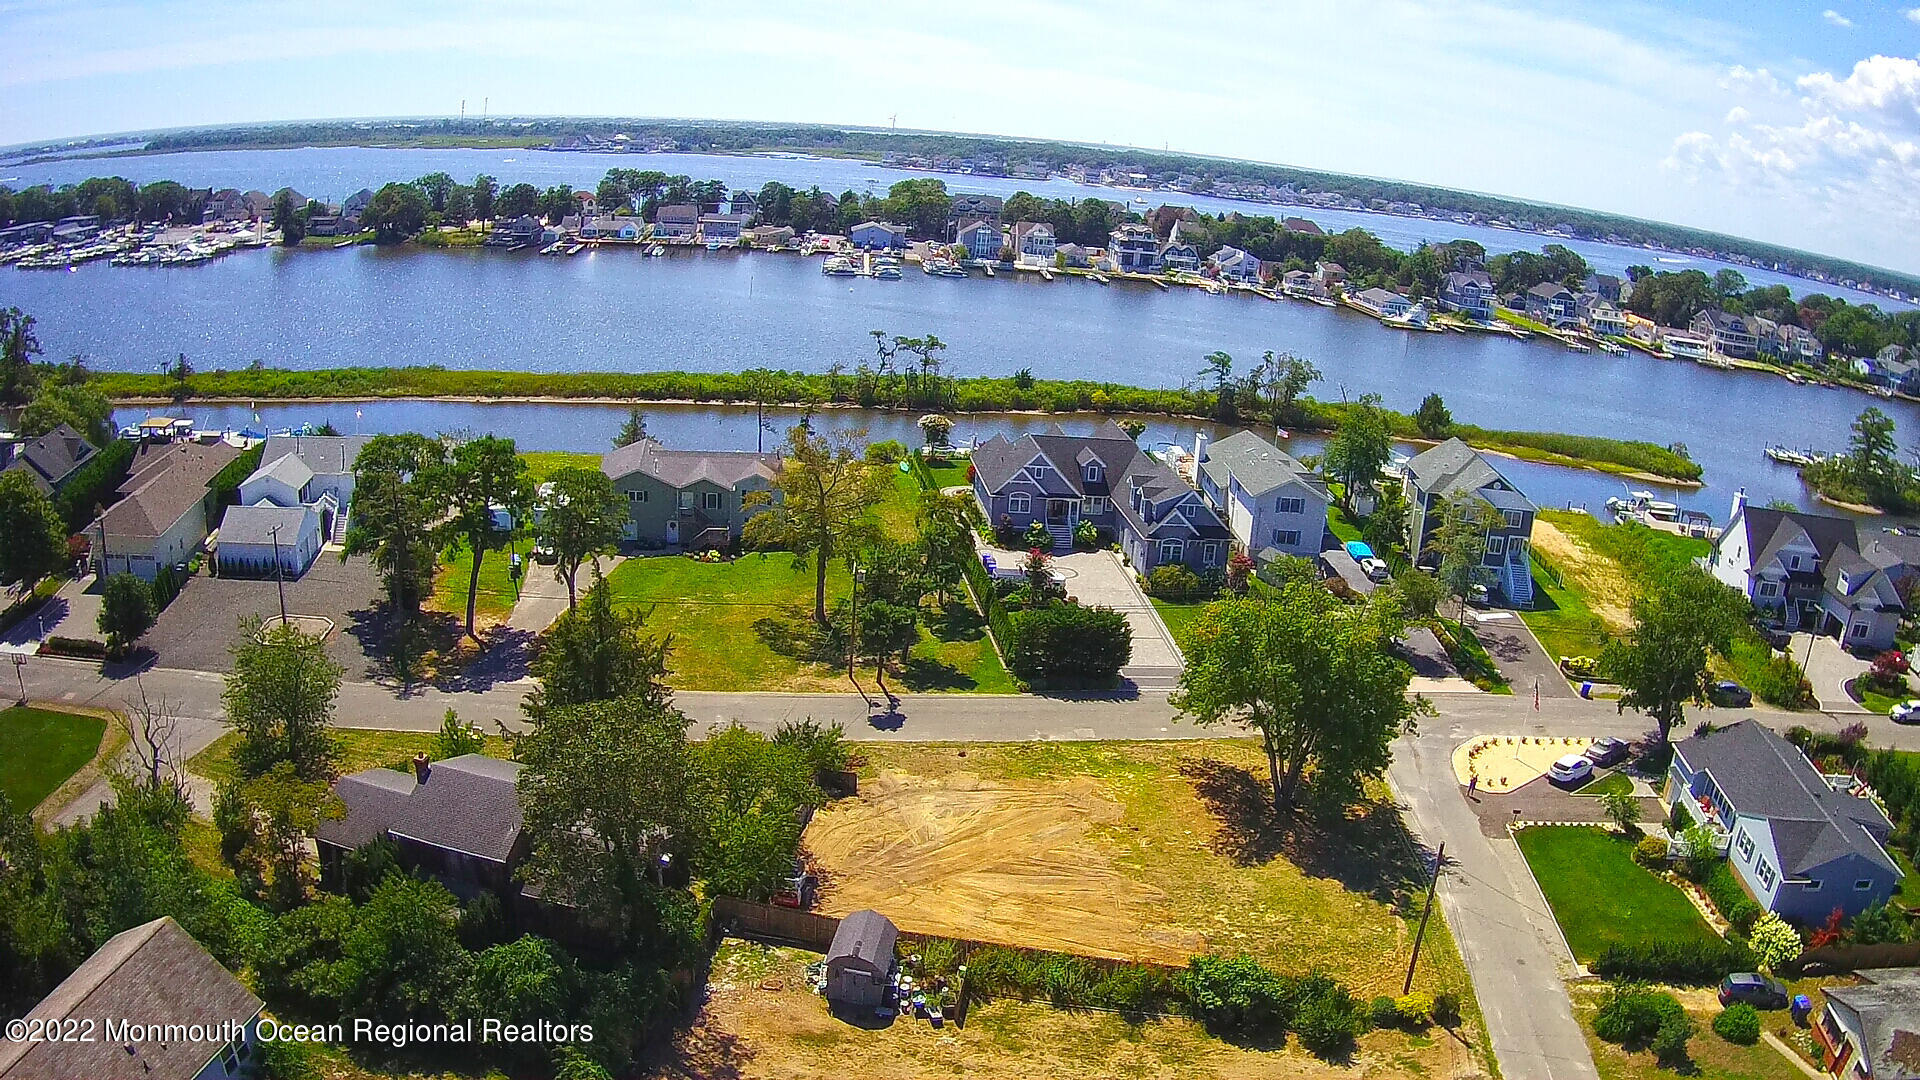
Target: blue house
[[1801, 846], [878, 236], [1105, 478]]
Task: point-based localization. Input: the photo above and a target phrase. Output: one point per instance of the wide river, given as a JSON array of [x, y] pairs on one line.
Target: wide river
[[721, 311]]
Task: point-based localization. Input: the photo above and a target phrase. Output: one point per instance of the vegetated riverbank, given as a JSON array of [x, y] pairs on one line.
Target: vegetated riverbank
[[1623, 457]]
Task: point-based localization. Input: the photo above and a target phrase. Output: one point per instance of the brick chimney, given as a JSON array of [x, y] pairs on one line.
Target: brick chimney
[[420, 768]]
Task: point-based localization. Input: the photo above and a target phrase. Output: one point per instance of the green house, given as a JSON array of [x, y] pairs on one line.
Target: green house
[[688, 498]]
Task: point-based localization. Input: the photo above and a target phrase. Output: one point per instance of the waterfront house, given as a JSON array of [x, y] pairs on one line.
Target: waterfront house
[[1133, 249], [1602, 316], [1606, 286], [1455, 470], [677, 222], [267, 540], [1726, 334], [1800, 345], [1800, 845], [1686, 344], [1813, 572], [1552, 303], [457, 821], [771, 236], [696, 499], [1468, 292], [355, 205], [1329, 274], [1233, 264], [612, 228], [154, 976], [1301, 283], [325, 224], [723, 227], [226, 204], [1871, 1030], [1271, 503], [878, 236], [1074, 255], [966, 208], [981, 239], [1176, 253], [860, 961], [162, 512], [1382, 302], [1061, 480], [1033, 242], [294, 503], [744, 204], [1301, 225], [52, 458]]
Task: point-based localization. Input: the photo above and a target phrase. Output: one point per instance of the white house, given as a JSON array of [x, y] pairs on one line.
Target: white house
[[1270, 502], [1826, 575], [1033, 242], [1383, 302], [254, 538], [1133, 249], [1233, 264], [161, 516]]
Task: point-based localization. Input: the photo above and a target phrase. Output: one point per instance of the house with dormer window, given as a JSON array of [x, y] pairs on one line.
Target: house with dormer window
[[1061, 480], [1825, 575], [1271, 503], [1455, 470]]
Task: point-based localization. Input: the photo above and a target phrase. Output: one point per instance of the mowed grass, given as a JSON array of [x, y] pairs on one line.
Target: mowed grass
[[542, 465], [1602, 897], [1562, 621], [497, 591], [951, 474], [40, 749], [900, 506], [359, 749], [1180, 616], [1608, 784], [1712, 1057]]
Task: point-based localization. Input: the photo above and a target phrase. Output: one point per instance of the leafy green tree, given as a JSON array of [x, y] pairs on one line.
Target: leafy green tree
[[1068, 645], [518, 201], [759, 790], [76, 404], [265, 824], [582, 518], [402, 945], [302, 964], [1460, 541], [1218, 368], [1420, 593], [946, 524], [33, 538], [396, 212], [1274, 386], [632, 430], [482, 193], [522, 981], [291, 220], [828, 494], [455, 739], [607, 790], [279, 699], [1432, 417], [1872, 453], [1317, 680], [887, 631], [126, 612], [1678, 618], [1360, 448], [399, 493], [18, 347], [596, 652], [485, 478], [1623, 809], [1776, 943], [1385, 529]]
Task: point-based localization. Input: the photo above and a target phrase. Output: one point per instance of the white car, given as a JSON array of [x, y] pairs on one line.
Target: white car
[[1907, 712], [1570, 769], [1376, 569]]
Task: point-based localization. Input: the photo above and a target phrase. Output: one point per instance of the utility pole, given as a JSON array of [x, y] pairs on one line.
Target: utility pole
[[1439, 860], [279, 577]]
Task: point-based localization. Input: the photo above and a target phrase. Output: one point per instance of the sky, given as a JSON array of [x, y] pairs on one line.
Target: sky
[[1788, 122]]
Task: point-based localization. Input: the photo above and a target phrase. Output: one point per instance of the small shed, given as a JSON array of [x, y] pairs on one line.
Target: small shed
[[860, 961]]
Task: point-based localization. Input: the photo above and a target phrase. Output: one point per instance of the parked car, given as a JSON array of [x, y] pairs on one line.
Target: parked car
[[1730, 694], [1606, 751], [1571, 769], [1478, 596], [1375, 569], [1753, 988], [1907, 712]]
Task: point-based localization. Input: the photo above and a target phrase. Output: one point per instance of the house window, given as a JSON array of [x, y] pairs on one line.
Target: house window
[[1496, 545], [1863, 884], [1794, 561], [1766, 874], [1019, 503], [1093, 474], [1744, 844], [1210, 552], [1813, 884], [1286, 537], [638, 495], [1093, 505], [1857, 630], [230, 1061], [1768, 588], [1172, 550], [1515, 519], [686, 500], [713, 500], [1290, 506]]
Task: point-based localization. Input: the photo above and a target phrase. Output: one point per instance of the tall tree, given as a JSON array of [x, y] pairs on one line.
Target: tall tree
[[291, 220], [486, 480], [828, 492], [18, 347], [1318, 681], [1679, 617], [1432, 417], [761, 789], [73, 403], [396, 212], [33, 538], [279, 699], [607, 788], [126, 612], [596, 652], [1871, 449], [632, 429], [399, 495], [1360, 448], [582, 517], [1276, 383]]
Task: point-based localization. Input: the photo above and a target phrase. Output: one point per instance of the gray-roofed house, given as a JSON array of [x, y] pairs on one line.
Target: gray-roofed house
[[253, 540], [1871, 1031], [1731, 335], [1382, 302], [1454, 469], [678, 221], [1551, 303], [1826, 575], [1062, 480], [161, 516], [1801, 847], [458, 820], [860, 960], [1469, 292], [50, 459], [152, 974], [1270, 502], [688, 498]]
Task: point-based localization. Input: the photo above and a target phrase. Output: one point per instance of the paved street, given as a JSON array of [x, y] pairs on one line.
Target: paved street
[[1518, 655]]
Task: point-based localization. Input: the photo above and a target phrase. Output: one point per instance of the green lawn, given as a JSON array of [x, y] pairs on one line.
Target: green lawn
[[1874, 700], [359, 749], [1607, 784], [1470, 658], [1179, 617], [746, 625], [951, 474], [40, 748], [1517, 319], [1342, 526], [545, 464], [497, 592], [1602, 897], [1562, 621], [1710, 1056], [900, 506]]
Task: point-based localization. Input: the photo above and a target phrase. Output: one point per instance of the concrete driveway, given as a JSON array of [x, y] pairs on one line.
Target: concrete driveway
[[1348, 569], [72, 612], [1518, 655], [1099, 578], [1828, 667], [542, 598]]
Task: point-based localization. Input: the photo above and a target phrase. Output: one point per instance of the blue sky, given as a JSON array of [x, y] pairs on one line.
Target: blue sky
[[1798, 123]]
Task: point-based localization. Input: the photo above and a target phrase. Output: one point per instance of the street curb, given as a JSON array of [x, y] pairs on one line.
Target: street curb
[[1513, 827]]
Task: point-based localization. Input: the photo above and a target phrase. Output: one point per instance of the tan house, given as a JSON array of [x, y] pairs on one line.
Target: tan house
[[162, 513], [688, 498]]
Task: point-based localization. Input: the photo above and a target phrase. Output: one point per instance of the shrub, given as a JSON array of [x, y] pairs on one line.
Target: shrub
[[1446, 1009], [1086, 536], [1775, 944], [1236, 996], [1633, 1015], [1651, 852], [1738, 1023], [1416, 1009], [1068, 643], [1697, 857], [1383, 1012], [1037, 537], [1685, 963], [1173, 582], [1327, 1019], [1669, 1043], [886, 452], [1730, 898]]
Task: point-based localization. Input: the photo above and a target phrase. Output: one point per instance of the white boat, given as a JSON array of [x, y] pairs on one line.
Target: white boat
[[657, 250], [887, 273], [1787, 456], [838, 266]]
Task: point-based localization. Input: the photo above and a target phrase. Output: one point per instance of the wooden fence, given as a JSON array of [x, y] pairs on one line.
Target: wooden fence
[[773, 925], [1838, 959]]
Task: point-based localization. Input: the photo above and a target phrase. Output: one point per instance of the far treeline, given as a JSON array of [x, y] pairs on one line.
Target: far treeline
[[1192, 172], [1269, 392]]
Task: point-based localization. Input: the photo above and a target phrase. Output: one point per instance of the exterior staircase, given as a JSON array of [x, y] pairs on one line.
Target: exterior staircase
[[1517, 583], [1062, 536]]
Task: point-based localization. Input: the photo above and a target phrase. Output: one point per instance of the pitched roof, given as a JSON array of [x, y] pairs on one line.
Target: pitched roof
[[682, 468], [154, 973], [678, 214], [52, 457], [1257, 464], [1454, 468], [288, 469], [166, 482], [868, 935], [1460, 279], [1763, 775], [325, 455], [1548, 290], [977, 225], [255, 524], [1302, 225], [1888, 1005], [468, 804], [1124, 468]]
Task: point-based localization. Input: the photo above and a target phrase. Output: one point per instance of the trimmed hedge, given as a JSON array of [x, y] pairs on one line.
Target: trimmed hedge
[[93, 484], [1729, 898], [1682, 963], [1068, 645]]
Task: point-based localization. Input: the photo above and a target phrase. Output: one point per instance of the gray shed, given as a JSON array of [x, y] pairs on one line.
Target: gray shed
[[860, 961]]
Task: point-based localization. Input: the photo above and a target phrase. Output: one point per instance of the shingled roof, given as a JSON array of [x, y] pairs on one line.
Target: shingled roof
[[682, 468], [1257, 464], [154, 973], [1454, 468], [51, 458], [167, 482], [1888, 1005], [468, 804], [323, 455]]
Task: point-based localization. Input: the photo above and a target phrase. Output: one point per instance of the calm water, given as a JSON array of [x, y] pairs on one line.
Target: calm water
[[333, 173]]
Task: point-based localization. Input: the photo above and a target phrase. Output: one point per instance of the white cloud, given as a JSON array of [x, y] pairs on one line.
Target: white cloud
[[1914, 14], [1837, 19], [1742, 79], [1887, 85], [1738, 115]]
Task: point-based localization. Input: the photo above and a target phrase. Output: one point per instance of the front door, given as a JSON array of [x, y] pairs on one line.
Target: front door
[[673, 530], [1058, 511]]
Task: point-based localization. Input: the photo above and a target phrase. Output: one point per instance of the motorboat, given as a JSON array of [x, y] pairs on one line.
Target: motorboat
[[887, 273], [838, 266]]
